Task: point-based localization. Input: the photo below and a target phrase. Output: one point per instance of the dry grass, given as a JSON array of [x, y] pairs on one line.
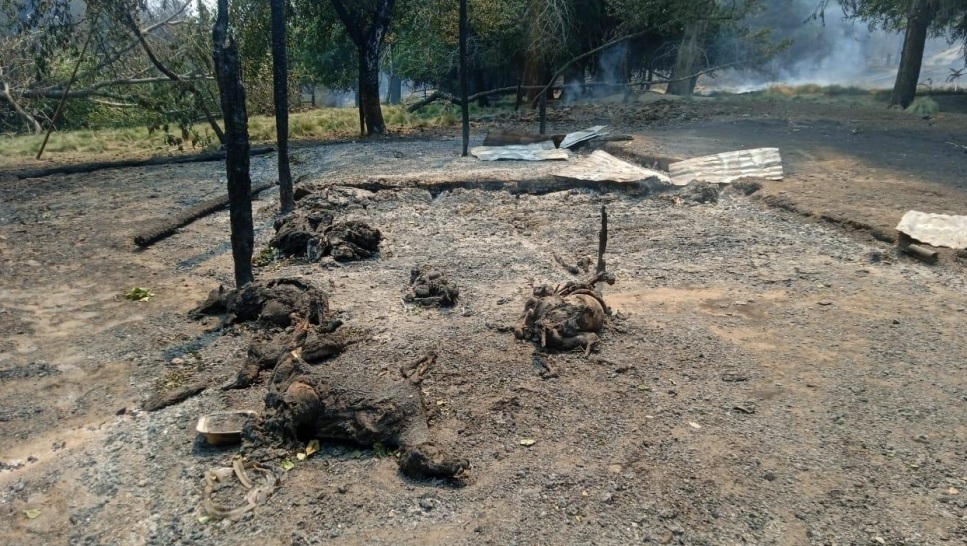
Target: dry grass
[[812, 92], [132, 142]]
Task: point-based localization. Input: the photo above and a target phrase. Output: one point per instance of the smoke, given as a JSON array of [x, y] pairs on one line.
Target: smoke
[[839, 52], [608, 78], [611, 64]]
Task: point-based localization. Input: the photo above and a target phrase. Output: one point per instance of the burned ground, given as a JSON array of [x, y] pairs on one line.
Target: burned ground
[[767, 377]]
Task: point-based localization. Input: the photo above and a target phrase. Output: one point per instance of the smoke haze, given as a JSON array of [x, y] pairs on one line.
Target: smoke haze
[[840, 52]]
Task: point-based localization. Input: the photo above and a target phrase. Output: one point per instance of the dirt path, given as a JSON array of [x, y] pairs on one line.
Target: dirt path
[[767, 379]]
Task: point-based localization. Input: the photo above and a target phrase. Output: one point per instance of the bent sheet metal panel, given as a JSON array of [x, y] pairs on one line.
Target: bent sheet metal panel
[[935, 229], [601, 166], [580, 136], [727, 167], [528, 152]]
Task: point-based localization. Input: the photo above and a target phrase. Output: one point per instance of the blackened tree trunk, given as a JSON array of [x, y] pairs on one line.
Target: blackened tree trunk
[[367, 24], [689, 58], [914, 41], [232, 94], [280, 85], [369, 92], [465, 106]]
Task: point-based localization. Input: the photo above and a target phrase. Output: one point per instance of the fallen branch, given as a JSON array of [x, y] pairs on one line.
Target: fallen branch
[[82, 168], [165, 227], [160, 400], [926, 255], [442, 95]]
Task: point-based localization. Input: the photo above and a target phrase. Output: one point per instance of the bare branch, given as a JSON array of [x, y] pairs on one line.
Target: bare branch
[[199, 100], [5, 95]]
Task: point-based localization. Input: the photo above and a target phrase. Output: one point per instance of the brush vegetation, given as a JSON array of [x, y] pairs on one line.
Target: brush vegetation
[[128, 142], [923, 106]]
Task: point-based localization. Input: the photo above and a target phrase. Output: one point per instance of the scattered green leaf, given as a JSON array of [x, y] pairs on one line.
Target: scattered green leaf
[[380, 450], [266, 256], [204, 519], [138, 294], [527, 442], [643, 387], [356, 454], [32, 513], [287, 465], [313, 447], [301, 456]]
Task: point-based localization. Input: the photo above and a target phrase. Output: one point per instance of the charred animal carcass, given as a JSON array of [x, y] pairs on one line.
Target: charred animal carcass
[[430, 288], [276, 302], [570, 316], [564, 318], [299, 232], [317, 343], [338, 403], [313, 235]]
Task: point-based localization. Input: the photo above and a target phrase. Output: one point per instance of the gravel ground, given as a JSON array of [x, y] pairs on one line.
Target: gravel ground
[[764, 380]]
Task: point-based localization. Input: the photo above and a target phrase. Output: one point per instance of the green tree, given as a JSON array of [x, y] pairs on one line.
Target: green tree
[[367, 24]]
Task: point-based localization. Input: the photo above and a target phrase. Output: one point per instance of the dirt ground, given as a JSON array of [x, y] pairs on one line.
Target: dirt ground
[[773, 373]]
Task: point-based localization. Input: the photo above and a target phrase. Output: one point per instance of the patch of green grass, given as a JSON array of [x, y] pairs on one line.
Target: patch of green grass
[[138, 294], [265, 257], [923, 106], [131, 142]]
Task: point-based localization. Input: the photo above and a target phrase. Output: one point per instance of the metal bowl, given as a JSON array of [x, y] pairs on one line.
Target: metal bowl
[[224, 427]]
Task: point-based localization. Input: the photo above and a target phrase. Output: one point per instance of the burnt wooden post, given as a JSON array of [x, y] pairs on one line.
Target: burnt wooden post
[[232, 94], [465, 106]]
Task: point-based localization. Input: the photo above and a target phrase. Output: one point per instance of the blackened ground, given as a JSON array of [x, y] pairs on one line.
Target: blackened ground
[[768, 377]]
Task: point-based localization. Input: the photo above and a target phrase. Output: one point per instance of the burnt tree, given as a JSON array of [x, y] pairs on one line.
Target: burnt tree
[[465, 106], [367, 23], [280, 87], [921, 16], [232, 94], [690, 57]]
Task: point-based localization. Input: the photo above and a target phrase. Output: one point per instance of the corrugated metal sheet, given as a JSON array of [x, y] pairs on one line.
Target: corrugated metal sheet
[[601, 166], [540, 151], [729, 166], [580, 136], [935, 229]]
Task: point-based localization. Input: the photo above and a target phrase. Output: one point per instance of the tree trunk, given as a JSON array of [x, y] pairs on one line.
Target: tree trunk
[[484, 100], [914, 41], [465, 107], [360, 69], [232, 95], [369, 91], [542, 113], [280, 84], [395, 89], [689, 58], [368, 43]]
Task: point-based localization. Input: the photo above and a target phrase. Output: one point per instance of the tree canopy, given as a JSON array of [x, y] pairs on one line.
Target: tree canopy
[[149, 62]]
